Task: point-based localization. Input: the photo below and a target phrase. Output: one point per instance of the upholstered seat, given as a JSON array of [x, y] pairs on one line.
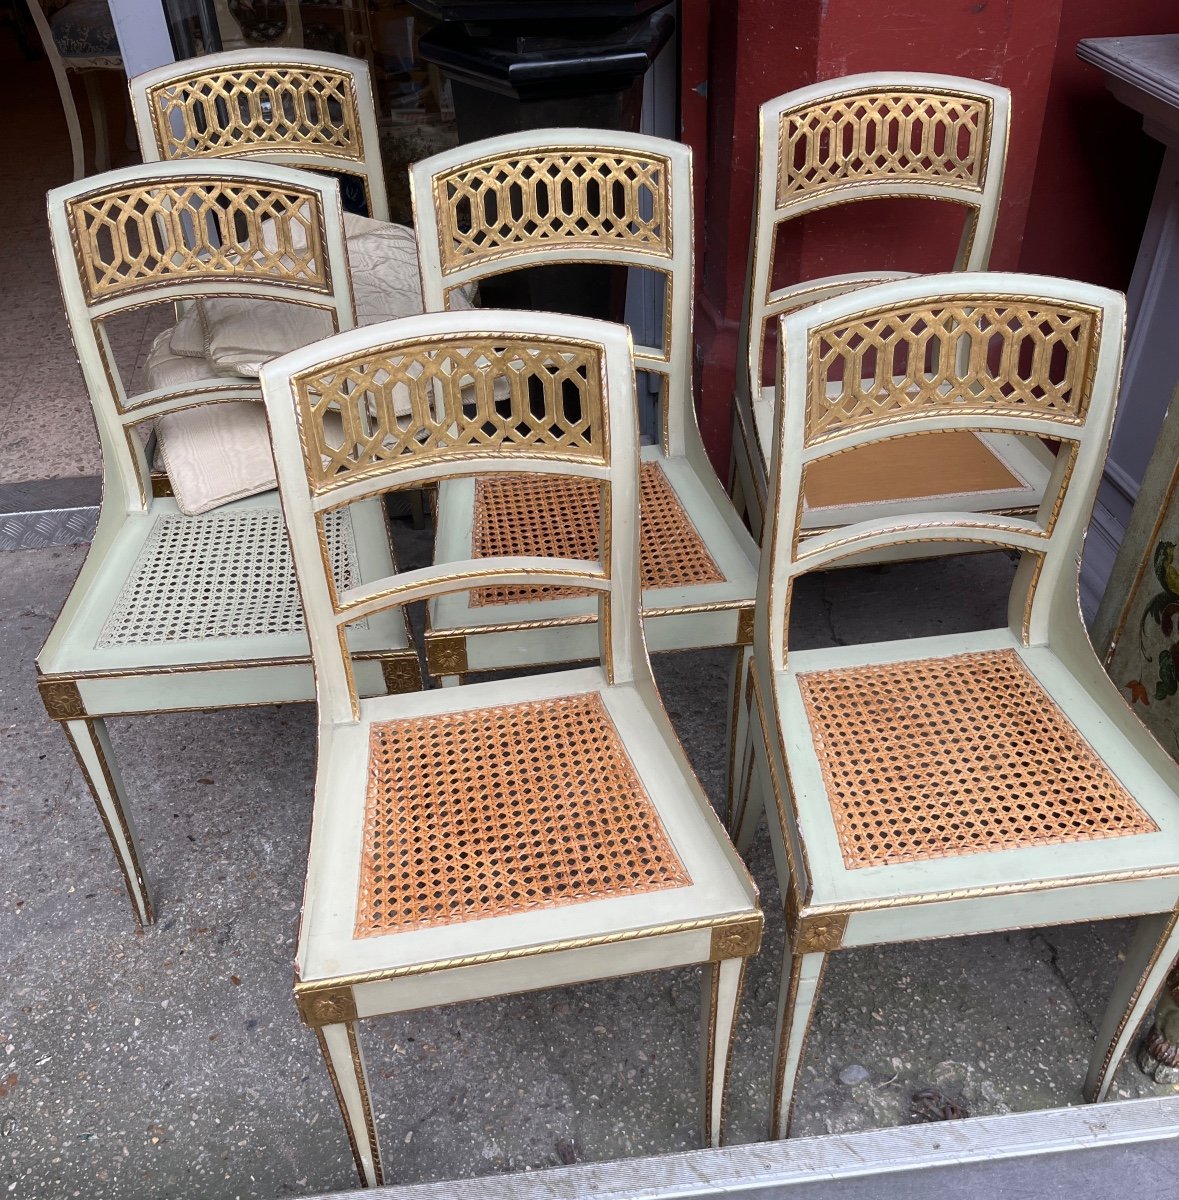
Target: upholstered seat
[[84, 28]]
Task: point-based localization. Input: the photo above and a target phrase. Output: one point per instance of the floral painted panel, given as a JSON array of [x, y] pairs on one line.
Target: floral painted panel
[[1136, 629], [1145, 661]]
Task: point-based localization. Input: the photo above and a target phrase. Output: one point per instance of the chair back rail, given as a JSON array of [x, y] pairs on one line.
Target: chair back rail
[[419, 403], [563, 196], [879, 134], [295, 108], [178, 232], [988, 352]]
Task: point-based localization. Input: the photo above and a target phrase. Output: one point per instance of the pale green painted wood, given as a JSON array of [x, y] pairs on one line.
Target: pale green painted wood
[[522, 950], [983, 891], [753, 404], [205, 672], [680, 453]]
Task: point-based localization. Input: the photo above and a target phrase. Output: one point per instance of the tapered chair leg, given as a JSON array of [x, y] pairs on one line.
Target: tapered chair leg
[[1153, 949], [749, 798], [92, 748], [739, 715], [722, 996], [345, 1064], [802, 976]]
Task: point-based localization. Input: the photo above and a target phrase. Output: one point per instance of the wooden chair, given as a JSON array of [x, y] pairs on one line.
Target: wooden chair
[[501, 836], [558, 196], [79, 39], [297, 108], [972, 782], [844, 141], [171, 612]]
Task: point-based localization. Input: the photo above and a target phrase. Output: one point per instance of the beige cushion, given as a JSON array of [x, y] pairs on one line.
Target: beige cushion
[[216, 453], [164, 368], [383, 262], [190, 338], [221, 452]]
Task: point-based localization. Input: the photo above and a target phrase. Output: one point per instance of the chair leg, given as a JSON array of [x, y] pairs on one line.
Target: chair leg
[[345, 1064], [70, 109], [102, 155], [1152, 951], [736, 491], [749, 802], [739, 716], [92, 748], [802, 976], [722, 996]]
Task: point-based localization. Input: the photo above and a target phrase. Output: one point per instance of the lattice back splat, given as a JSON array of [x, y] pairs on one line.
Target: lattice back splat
[[1001, 357], [502, 206], [209, 114], [880, 136], [420, 401], [155, 235]]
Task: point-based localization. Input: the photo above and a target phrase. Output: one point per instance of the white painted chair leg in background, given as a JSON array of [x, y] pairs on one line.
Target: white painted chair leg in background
[[721, 987], [92, 748], [1152, 952]]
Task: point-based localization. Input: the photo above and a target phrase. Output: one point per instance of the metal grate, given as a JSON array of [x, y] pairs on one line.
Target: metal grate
[[518, 514], [219, 575], [940, 757], [504, 810]]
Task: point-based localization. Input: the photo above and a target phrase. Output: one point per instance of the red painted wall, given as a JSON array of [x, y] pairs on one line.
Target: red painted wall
[[1078, 175], [1096, 169]]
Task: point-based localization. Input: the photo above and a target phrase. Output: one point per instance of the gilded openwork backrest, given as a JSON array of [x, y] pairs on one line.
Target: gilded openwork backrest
[[165, 233], [446, 395], [999, 353], [872, 136], [565, 195], [297, 108]]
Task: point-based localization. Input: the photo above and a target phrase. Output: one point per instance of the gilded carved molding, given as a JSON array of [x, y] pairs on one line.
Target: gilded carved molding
[[740, 939], [446, 653], [810, 932], [326, 1006], [62, 700]]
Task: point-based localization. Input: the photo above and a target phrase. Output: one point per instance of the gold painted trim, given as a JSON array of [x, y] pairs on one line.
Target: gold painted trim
[[738, 604], [745, 627], [739, 939], [366, 1107], [402, 673], [710, 1044], [701, 924], [329, 1006], [446, 653], [62, 699], [1146, 970], [137, 890], [783, 1041], [364, 1103], [810, 933]]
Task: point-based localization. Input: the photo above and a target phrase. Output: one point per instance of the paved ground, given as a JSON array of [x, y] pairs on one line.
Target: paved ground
[[171, 1063]]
